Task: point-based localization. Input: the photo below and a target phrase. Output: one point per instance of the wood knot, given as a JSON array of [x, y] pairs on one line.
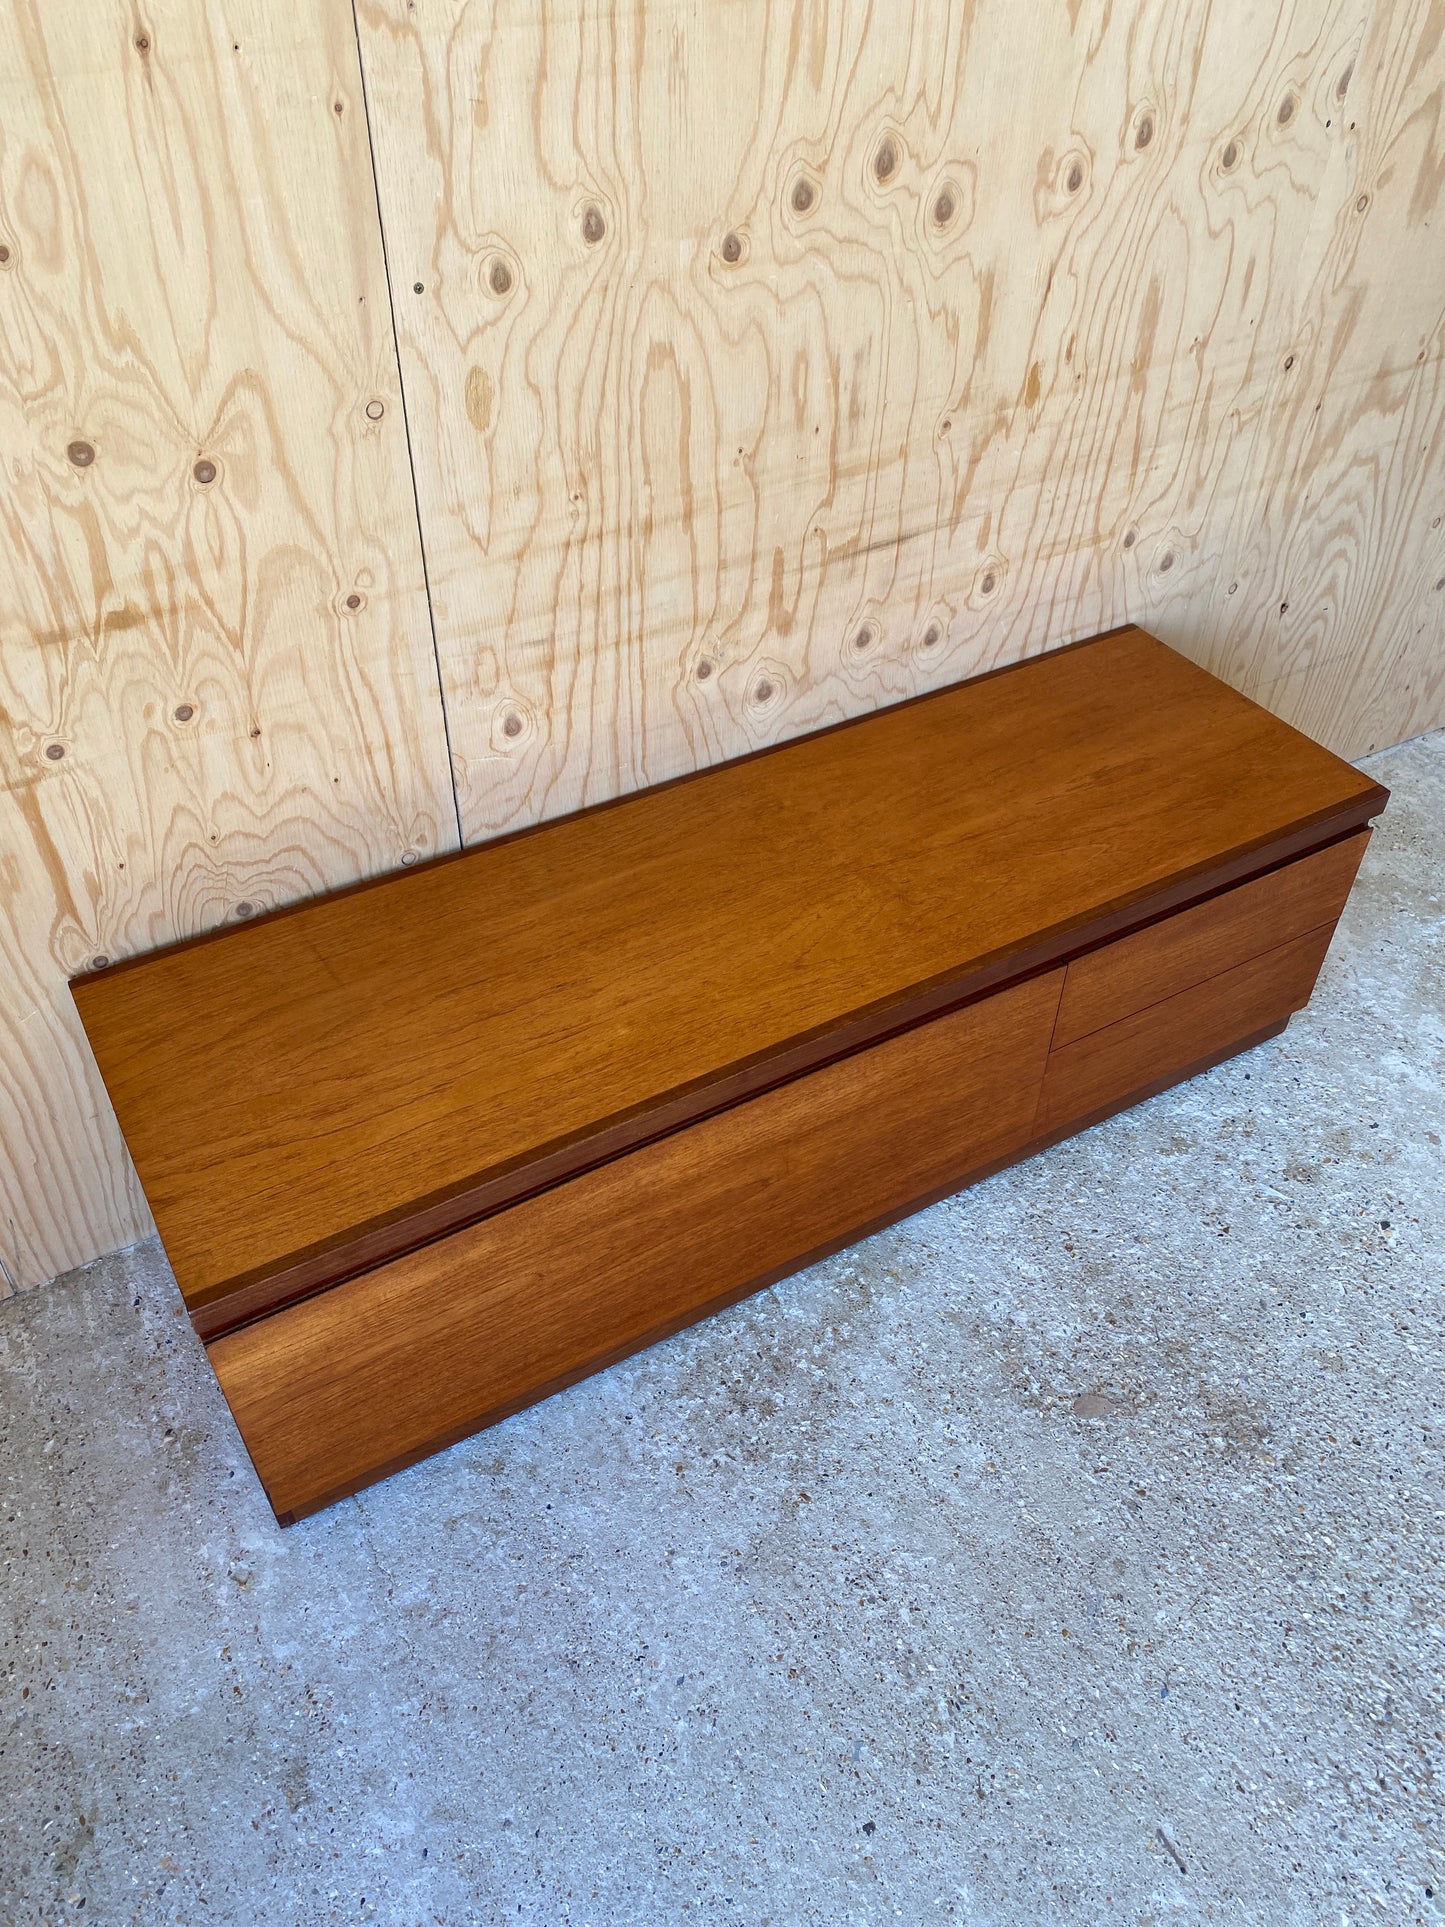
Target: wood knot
[[54, 751], [989, 583], [1229, 159], [82, 454], [864, 637], [732, 249], [1285, 113], [184, 712], [1144, 131], [101, 962], [763, 691], [932, 636], [4, 253], [204, 471], [593, 225], [704, 669], [1342, 85], [885, 161], [353, 601], [499, 279], [1074, 179], [803, 196], [245, 909], [1131, 536], [143, 43], [945, 206], [1166, 562], [511, 724]]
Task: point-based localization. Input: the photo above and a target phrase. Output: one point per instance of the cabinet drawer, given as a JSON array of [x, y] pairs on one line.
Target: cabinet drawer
[[374, 1373], [1183, 950], [1124, 1061]]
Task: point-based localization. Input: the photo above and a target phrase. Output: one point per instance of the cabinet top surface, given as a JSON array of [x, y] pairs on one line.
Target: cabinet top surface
[[340, 1062]]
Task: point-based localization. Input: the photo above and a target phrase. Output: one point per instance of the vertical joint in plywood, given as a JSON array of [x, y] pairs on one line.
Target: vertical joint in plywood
[[406, 423]]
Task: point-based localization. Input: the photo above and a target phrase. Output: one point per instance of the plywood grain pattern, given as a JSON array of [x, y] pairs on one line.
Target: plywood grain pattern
[[1330, 606], [217, 687], [771, 359], [67, 1187]]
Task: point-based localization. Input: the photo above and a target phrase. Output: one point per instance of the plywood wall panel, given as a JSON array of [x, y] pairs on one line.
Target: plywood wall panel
[[769, 360], [1330, 606], [217, 685], [67, 1187]]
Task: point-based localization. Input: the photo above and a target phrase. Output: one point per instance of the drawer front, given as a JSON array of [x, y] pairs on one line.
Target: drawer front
[[372, 1374], [1204, 942], [1110, 1067]]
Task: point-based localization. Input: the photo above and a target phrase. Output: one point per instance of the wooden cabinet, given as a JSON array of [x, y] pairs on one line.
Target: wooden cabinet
[[431, 1149]]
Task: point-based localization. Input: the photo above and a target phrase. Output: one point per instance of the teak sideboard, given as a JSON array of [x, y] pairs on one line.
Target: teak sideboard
[[428, 1150]]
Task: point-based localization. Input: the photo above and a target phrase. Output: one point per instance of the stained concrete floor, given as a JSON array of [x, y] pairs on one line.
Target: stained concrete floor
[[1070, 1553]]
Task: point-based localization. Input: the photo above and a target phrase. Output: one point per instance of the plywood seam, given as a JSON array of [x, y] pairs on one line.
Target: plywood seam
[[406, 422]]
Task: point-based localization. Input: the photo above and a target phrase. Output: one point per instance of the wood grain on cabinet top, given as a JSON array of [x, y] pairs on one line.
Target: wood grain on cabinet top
[[317, 1091]]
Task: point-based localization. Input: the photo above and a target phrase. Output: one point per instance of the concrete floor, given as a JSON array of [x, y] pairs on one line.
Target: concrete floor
[[1070, 1553]]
